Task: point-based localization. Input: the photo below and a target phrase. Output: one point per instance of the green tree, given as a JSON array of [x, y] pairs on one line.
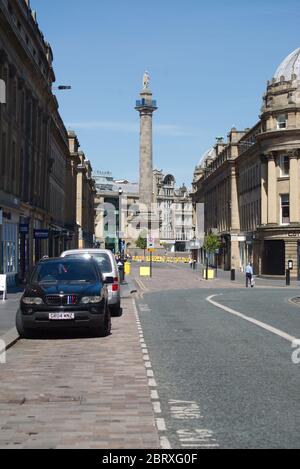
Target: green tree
[[212, 243], [141, 242]]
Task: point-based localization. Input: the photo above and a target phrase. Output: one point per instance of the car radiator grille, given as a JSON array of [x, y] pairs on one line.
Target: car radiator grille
[[66, 300]]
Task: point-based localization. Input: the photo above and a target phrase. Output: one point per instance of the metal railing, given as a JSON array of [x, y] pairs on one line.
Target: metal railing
[[146, 103]]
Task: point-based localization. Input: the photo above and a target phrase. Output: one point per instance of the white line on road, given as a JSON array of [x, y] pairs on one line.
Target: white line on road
[[184, 410], [152, 383], [260, 324], [161, 424], [154, 395], [164, 443], [156, 407]]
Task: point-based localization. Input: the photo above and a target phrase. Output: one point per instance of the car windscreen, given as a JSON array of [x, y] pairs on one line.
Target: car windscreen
[[65, 271], [103, 260]]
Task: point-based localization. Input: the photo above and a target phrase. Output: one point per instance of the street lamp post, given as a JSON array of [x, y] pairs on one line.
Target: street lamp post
[[120, 221]]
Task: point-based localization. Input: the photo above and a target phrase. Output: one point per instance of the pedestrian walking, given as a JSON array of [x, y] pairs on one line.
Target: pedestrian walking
[[249, 276]]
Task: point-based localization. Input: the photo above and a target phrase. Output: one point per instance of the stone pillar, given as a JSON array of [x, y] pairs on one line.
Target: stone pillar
[[294, 187], [146, 106], [272, 190], [264, 196], [235, 214]]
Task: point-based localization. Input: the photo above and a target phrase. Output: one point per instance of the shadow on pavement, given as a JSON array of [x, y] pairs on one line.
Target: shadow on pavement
[[64, 335]]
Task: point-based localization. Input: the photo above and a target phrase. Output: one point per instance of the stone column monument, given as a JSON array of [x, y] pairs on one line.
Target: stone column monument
[[146, 106]]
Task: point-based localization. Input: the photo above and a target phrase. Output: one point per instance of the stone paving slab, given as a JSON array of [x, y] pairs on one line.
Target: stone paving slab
[[8, 311], [173, 277], [78, 393]]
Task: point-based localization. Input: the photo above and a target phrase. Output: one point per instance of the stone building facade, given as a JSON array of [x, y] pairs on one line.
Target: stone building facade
[[174, 212], [250, 184], [85, 203], [36, 218]]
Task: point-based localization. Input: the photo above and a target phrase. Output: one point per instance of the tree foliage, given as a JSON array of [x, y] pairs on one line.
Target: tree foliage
[[141, 242], [212, 243]]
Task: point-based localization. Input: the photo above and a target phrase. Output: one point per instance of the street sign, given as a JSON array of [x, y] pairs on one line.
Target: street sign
[[24, 228], [41, 234], [150, 242]]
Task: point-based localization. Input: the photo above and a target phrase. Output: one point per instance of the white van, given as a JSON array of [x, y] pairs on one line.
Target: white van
[[109, 268]]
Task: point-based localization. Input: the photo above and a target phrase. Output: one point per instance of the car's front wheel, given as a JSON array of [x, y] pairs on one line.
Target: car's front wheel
[[23, 332], [105, 328]]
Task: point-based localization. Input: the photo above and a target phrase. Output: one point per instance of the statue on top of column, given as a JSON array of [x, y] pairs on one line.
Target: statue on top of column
[[146, 80]]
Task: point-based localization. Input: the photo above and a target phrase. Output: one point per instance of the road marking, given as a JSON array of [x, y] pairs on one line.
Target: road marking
[[144, 308], [161, 424], [184, 410], [260, 324], [141, 285], [156, 407], [152, 383], [164, 443], [197, 438]]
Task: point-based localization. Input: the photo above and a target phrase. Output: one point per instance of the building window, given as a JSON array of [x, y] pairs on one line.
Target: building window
[[285, 209], [282, 121], [284, 166]]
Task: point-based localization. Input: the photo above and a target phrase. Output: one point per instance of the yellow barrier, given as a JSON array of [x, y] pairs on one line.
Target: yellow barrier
[[144, 271], [162, 260], [127, 268], [211, 274]]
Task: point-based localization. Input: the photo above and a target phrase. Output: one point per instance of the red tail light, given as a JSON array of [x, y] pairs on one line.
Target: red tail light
[[115, 286]]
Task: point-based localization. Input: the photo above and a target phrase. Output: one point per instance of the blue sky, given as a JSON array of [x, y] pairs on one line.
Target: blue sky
[[209, 64]]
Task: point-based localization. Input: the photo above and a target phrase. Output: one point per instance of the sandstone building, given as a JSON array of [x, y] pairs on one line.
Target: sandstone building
[[250, 184], [37, 172], [174, 211]]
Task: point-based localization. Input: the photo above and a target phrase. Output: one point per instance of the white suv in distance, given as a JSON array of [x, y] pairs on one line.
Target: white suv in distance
[[109, 268]]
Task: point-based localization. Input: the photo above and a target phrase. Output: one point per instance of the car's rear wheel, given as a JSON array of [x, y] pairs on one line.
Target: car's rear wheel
[[23, 332], [115, 310], [105, 328]]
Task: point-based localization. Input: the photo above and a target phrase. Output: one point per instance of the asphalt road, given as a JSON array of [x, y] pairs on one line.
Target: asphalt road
[[222, 381]]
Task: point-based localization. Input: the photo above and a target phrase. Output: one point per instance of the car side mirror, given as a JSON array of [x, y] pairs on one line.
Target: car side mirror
[[108, 280]]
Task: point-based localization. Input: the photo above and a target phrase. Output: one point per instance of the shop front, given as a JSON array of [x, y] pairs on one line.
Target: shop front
[[277, 248], [9, 221]]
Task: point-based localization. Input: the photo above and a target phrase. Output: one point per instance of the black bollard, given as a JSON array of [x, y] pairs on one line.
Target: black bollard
[[233, 275], [288, 277]]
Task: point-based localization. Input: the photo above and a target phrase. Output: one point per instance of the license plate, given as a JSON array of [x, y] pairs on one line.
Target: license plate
[[61, 316]]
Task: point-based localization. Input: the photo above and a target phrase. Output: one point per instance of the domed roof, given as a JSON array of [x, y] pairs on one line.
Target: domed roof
[[210, 154], [290, 66]]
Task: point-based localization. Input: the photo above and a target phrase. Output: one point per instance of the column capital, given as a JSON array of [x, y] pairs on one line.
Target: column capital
[[294, 154], [270, 155]]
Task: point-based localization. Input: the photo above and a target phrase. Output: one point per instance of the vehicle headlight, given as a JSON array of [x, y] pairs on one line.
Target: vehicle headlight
[[91, 299], [32, 301]]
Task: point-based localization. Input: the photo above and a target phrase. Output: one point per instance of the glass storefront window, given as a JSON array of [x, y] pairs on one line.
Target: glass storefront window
[[10, 248]]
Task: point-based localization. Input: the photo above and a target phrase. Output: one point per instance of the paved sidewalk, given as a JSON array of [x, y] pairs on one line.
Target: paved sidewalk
[[8, 309], [78, 392], [173, 276]]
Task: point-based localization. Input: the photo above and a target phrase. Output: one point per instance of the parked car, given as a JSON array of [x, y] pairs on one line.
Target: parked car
[[65, 293], [109, 268]]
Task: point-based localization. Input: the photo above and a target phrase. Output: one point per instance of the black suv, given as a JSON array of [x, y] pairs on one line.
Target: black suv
[[65, 293]]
